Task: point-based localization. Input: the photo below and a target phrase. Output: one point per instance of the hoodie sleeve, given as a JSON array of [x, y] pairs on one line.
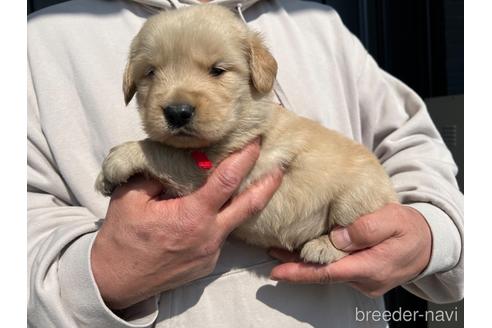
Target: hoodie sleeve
[[61, 288], [396, 125]]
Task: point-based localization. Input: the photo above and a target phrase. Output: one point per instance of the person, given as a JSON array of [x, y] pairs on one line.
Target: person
[[139, 261]]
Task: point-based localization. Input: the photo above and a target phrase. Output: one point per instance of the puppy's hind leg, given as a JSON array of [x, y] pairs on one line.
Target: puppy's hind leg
[[321, 250], [344, 210]]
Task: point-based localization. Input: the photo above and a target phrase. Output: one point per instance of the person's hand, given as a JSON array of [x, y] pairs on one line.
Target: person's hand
[[388, 248], [147, 245]]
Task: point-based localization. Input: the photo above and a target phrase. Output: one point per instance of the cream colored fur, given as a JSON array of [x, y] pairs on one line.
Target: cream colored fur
[[329, 180]]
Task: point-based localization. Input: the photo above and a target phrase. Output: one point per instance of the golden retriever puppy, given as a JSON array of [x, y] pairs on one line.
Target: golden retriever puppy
[[203, 82]]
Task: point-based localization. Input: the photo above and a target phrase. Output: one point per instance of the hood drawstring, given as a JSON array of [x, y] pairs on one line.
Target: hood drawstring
[[282, 97], [239, 9]]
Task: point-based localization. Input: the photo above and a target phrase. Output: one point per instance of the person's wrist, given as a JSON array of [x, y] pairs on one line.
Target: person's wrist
[[81, 295], [108, 282], [445, 246], [425, 233]]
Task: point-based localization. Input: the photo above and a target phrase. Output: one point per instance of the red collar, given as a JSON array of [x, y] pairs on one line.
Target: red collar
[[201, 159]]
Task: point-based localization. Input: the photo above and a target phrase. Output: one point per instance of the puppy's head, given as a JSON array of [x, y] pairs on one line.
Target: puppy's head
[[197, 73]]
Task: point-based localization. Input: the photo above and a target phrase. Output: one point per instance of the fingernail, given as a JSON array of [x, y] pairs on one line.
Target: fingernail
[[340, 238], [274, 277]]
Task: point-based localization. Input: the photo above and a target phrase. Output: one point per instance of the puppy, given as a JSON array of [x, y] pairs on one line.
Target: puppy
[[203, 82]]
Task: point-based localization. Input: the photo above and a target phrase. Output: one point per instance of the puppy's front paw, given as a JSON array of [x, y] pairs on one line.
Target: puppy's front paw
[[122, 162], [321, 250], [104, 186]]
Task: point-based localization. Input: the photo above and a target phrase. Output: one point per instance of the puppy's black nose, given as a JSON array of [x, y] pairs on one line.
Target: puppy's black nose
[[178, 115]]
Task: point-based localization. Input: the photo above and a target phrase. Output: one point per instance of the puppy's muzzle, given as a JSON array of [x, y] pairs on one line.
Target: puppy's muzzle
[[178, 115]]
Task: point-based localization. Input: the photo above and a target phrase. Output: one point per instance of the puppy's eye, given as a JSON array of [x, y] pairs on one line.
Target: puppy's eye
[[217, 71], [150, 72]]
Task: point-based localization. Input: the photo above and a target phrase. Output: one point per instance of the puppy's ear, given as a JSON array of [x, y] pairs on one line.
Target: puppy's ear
[[129, 77], [129, 86], [262, 65]]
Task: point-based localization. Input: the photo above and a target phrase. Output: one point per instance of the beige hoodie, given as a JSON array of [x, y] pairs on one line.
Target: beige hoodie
[[76, 113]]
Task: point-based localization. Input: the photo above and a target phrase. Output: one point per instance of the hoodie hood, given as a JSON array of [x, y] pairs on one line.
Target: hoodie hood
[[175, 4]]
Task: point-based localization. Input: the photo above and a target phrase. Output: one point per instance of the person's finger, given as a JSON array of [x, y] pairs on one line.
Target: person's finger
[[284, 255], [227, 177], [139, 187], [353, 267], [366, 231], [300, 272], [250, 202]]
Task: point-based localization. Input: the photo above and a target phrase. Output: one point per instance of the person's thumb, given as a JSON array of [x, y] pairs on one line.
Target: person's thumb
[[365, 232]]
